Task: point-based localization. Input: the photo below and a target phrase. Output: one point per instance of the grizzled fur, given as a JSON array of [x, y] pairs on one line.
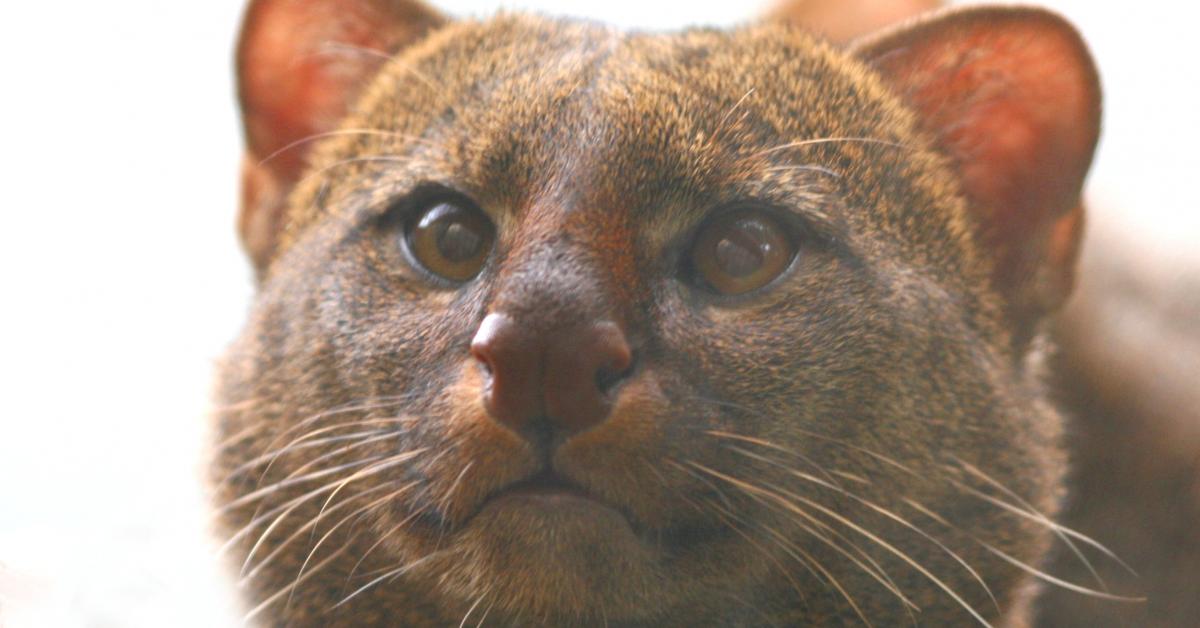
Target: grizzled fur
[[867, 437]]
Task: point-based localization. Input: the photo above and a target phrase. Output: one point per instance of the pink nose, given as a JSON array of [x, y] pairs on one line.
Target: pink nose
[[563, 376]]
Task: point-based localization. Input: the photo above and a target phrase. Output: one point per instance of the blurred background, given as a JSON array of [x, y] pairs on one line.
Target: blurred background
[[123, 280]]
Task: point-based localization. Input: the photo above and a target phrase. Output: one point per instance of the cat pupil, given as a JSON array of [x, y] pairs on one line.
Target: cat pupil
[[457, 242], [739, 255]]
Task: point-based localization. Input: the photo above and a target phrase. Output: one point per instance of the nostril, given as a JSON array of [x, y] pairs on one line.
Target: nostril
[[483, 364], [509, 355], [482, 358], [485, 343], [612, 358], [611, 374]]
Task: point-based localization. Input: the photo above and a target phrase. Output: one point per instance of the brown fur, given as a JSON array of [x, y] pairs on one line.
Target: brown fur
[[829, 450]]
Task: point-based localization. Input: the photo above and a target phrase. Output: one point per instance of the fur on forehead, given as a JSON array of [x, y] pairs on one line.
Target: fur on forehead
[[563, 92]]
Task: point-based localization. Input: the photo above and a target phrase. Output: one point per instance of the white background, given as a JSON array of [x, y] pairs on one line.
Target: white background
[[121, 278]]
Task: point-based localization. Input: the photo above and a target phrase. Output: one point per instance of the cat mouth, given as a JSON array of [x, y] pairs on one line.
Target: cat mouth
[[547, 493], [554, 500], [546, 485], [549, 500]]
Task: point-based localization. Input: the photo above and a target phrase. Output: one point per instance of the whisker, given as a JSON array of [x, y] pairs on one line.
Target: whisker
[[829, 439], [378, 467], [316, 137], [1037, 517], [339, 451], [463, 623], [294, 505], [271, 489], [315, 462], [390, 574], [706, 482], [806, 168], [236, 406], [350, 161], [792, 549], [725, 515], [353, 406], [359, 511], [330, 428], [312, 523], [240, 435], [487, 611], [267, 457], [286, 508], [809, 562], [768, 444], [850, 476], [1041, 575], [834, 140], [275, 597], [454, 486], [730, 510], [378, 542], [882, 511], [880, 575], [339, 47], [728, 114], [890, 548], [877, 573], [368, 407], [907, 524], [1031, 512]]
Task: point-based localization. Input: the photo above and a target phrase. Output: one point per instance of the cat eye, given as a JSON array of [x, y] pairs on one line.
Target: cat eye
[[451, 239], [741, 251]]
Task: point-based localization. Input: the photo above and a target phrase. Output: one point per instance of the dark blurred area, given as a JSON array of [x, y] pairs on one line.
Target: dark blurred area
[[1129, 372]]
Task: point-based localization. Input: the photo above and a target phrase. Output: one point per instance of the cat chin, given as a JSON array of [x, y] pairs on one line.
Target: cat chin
[[550, 558], [557, 538], [565, 559]]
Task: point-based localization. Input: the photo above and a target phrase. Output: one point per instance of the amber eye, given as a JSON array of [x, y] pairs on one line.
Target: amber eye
[[741, 251], [451, 240]]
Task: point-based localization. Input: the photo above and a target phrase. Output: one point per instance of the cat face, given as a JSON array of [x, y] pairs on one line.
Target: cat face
[[569, 325]]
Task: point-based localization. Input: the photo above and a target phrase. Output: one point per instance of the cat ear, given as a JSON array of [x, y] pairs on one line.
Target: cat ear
[[1012, 96], [300, 63], [844, 20]]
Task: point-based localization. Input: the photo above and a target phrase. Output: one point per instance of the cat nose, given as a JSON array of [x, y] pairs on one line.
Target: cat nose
[[565, 377]]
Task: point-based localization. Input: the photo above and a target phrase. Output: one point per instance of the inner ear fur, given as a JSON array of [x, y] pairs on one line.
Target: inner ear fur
[[300, 64], [1013, 98]]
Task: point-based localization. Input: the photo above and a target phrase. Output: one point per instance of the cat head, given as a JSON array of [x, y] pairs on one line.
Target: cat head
[[576, 325]]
